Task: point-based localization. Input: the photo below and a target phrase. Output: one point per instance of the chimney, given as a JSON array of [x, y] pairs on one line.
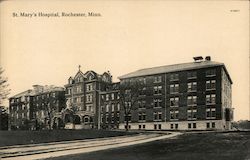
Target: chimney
[[38, 88], [198, 59], [208, 58]]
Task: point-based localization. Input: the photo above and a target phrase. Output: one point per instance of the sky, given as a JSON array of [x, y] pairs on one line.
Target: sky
[[129, 35]]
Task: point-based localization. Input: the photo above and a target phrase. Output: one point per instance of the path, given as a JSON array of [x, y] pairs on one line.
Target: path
[[47, 150]]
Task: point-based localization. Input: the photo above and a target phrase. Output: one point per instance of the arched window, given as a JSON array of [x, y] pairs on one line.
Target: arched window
[[86, 119], [77, 119]]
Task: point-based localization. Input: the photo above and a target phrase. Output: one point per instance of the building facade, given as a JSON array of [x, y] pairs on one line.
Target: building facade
[[48, 101], [31, 109], [188, 96], [110, 107], [83, 93]]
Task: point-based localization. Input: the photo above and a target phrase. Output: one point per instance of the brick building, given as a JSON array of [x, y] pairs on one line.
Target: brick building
[[188, 96], [47, 102], [20, 110], [82, 92], [110, 107], [30, 109]]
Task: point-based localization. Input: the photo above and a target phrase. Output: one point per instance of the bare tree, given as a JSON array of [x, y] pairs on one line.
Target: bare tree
[[4, 91], [50, 108], [129, 95]]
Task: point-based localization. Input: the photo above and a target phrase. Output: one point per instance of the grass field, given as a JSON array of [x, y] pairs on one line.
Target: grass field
[[8, 138], [205, 146]]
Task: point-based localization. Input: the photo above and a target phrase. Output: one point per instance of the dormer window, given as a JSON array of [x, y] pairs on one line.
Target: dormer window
[[90, 77], [70, 81], [81, 79]]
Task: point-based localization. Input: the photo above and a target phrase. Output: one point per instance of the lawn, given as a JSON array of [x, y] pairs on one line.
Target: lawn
[[205, 146], [8, 138]]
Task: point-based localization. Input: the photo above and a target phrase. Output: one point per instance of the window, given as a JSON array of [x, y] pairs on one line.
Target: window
[[174, 114], [118, 107], [107, 108], [112, 118], [139, 127], [176, 126], [142, 116], [127, 92], [78, 89], [127, 104], [81, 79], [54, 95], [192, 86], [89, 87], [102, 118], [172, 126], [210, 99], [174, 77], [189, 125], [112, 96], [78, 99], [210, 85], [157, 103], [117, 117], [89, 98], [174, 102], [89, 108], [157, 116], [112, 107], [159, 126], [107, 118], [211, 73], [211, 113], [155, 126], [191, 100], [191, 75], [208, 125], [144, 126], [213, 124], [82, 99], [142, 104], [191, 114], [157, 89], [107, 97], [194, 125], [157, 79], [174, 88], [69, 90]]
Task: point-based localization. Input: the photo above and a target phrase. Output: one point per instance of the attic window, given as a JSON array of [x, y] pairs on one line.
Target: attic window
[[90, 77], [70, 81]]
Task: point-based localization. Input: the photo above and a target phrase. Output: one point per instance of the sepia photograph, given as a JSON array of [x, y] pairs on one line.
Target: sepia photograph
[[127, 80]]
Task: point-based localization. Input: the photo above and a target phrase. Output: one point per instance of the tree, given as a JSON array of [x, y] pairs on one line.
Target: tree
[[129, 96], [69, 113], [3, 118], [4, 91]]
